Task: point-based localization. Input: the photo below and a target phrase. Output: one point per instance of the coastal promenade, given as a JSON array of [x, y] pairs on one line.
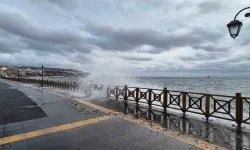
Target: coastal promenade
[[36, 118]]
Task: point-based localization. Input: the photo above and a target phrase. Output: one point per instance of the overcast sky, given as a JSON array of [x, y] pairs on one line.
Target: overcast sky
[[126, 37]]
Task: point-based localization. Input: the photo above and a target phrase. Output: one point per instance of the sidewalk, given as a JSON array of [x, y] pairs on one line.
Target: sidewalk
[[66, 124], [16, 107]]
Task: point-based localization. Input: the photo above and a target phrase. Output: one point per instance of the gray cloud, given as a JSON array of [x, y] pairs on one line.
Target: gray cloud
[[9, 46], [200, 57], [210, 48], [134, 58], [60, 48], [209, 6], [65, 4], [31, 36], [20, 25], [244, 34], [110, 38]]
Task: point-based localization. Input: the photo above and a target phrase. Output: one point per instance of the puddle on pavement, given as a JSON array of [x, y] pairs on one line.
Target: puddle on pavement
[[225, 136]]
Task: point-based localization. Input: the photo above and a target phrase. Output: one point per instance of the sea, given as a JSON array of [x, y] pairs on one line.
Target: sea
[[212, 85]]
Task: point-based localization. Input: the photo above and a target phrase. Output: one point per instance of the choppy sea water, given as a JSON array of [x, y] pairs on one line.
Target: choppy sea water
[[213, 85]]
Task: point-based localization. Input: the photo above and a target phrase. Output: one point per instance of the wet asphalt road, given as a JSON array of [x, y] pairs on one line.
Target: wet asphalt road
[[115, 133]]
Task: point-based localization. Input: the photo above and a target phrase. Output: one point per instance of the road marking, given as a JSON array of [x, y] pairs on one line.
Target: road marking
[[28, 135]]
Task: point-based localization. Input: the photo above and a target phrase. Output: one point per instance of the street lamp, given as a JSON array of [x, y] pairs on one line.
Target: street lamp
[[235, 25], [42, 68]]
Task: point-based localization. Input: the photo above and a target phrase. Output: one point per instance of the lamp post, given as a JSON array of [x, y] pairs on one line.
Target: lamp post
[[42, 68], [235, 25], [18, 75]]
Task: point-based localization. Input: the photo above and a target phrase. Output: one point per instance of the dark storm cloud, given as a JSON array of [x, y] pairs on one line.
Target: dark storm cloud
[[18, 24], [110, 38], [31, 36], [59, 48], [10, 48], [7, 45]]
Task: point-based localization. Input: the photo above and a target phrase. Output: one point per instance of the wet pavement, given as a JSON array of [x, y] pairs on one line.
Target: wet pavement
[[70, 125], [16, 106], [224, 135]]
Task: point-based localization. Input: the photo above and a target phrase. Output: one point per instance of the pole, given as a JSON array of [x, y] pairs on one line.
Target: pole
[[18, 75], [239, 109], [42, 77]]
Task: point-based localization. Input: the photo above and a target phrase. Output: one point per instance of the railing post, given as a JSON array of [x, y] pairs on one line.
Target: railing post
[[107, 94], [137, 96], [207, 111], [165, 99], [184, 102], [239, 109], [61, 85], [74, 86], [70, 86], [125, 93], [77, 86], [150, 98], [116, 92]]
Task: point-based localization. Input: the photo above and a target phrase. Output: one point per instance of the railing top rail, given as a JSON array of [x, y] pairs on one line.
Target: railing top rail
[[203, 93], [133, 87], [157, 89], [248, 98], [228, 96], [145, 88]]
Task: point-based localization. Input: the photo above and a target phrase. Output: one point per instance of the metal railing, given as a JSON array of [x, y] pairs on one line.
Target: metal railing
[[233, 108]]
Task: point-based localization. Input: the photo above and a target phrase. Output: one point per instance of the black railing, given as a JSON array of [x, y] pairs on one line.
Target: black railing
[[208, 105]]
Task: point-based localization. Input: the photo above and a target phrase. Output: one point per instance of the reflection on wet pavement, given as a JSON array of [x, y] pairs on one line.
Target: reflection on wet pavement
[[225, 136]]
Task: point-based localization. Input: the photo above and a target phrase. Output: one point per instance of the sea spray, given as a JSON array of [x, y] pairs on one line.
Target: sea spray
[[116, 81]]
